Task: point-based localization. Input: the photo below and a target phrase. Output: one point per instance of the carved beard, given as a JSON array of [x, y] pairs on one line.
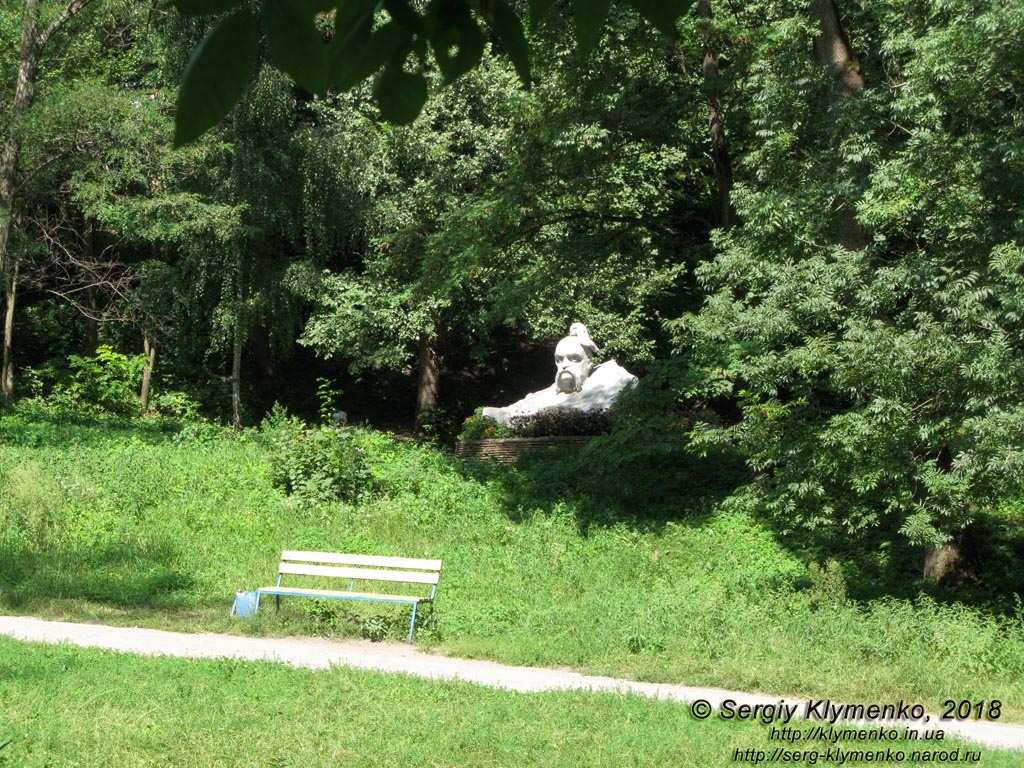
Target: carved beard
[[566, 382]]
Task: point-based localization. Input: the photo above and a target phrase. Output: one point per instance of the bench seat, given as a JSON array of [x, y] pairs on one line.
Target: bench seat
[[343, 595]]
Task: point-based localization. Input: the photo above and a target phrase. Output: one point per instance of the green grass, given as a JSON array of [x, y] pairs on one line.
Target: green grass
[[640, 572], [62, 706]]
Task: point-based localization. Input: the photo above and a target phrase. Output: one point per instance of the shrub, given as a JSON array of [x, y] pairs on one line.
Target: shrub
[[480, 427], [553, 422], [177, 405], [105, 383], [320, 465], [562, 422]]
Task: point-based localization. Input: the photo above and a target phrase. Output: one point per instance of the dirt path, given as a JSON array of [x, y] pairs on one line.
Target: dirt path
[[319, 653]]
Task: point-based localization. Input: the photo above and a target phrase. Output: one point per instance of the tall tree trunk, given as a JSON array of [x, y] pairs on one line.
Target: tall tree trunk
[[832, 49], [24, 94], [954, 563], [149, 349], [241, 295], [91, 338], [7, 371], [430, 374], [236, 381], [33, 39], [716, 121]]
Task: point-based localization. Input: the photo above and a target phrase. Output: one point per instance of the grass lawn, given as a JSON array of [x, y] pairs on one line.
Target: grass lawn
[[638, 571], [62, 706]]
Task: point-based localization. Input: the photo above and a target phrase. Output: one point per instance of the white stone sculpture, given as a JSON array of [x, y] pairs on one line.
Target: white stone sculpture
[[579, 384]]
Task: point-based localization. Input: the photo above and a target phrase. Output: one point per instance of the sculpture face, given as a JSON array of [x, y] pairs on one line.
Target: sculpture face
[[572, 365]]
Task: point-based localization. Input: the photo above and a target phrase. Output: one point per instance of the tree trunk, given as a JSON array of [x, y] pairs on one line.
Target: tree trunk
[[832, 48], [149, 349], [236, 379], [954, 563], [91, 337], [716, 122], [24, 93], [91, 340], [430, 374], [7, 371]]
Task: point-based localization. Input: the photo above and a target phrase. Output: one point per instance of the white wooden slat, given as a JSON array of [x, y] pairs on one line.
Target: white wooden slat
[[333, 593], [381, 561], [367, 574]]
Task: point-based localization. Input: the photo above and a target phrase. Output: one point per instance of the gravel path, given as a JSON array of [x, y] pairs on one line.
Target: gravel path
[[319, 653]]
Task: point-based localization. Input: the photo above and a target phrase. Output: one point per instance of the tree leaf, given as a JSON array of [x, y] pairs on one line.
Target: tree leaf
[[353, 21], [453, 25], [404, 15], [204, 7], [662, 13], [538, 10], [216, 76], [357, 59], [295, 42], [509, 29], [590, 17], [400, 94]]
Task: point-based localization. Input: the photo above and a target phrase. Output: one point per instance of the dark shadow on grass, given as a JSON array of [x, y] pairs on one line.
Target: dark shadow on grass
[[644, 492], [123, 576], [649, 490], [880, 562]]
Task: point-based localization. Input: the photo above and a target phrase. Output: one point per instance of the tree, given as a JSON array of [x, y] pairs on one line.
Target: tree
[[40, 23], [720, 156], [865, 310], [499, 208], [391, 298]]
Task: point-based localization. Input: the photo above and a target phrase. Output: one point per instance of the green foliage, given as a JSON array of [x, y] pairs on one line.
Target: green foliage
[[327, 396], [316, 59], [321, 465], [863, 313], [107, 382], [554, 422], [480, 427]]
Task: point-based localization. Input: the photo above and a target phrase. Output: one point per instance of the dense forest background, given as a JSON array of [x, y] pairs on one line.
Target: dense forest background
[[806, 218]]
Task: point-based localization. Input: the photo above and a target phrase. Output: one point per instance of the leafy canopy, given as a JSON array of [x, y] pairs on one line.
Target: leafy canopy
[[336, 44]]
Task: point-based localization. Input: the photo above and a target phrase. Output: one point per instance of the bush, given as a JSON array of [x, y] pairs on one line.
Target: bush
[[480, 427], [553, 422], [106, 383], [562, 422], [319, 465]]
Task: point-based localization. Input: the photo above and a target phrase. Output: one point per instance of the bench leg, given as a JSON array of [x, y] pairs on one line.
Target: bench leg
[[412, 625]]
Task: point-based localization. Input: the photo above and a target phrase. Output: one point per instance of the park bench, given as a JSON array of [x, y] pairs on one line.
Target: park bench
[[363, 570]]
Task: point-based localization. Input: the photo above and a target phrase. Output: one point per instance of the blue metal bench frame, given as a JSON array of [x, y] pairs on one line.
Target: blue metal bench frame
[[356, 568]]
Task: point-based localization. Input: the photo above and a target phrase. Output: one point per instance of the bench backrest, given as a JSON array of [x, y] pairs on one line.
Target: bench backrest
[[406, 570]]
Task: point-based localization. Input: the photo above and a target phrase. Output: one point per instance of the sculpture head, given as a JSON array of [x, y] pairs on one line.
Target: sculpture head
[[572, 365]]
